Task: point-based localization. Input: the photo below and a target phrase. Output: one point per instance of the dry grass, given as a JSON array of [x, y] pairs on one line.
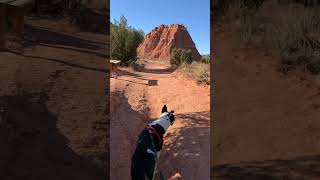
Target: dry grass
[[290, 32], [197, 70], [295, 38], [96, 4], [234, 11]]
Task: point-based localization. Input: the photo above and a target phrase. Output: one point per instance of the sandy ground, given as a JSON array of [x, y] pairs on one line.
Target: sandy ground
[[134, 104], [266, 124], [53, 98]]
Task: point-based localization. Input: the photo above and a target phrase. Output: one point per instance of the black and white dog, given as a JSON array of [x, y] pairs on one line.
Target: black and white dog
[[148, 147]]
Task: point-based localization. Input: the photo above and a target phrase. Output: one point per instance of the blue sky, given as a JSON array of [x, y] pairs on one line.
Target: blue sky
[[148, 14]]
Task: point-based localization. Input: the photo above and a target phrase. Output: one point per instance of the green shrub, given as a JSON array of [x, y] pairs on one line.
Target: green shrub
[[124, 41], [186, 56], [205, 59], [175, 57], [179, 56]]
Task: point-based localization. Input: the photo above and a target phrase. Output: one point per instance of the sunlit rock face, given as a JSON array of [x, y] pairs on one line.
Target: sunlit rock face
[[159, 43]]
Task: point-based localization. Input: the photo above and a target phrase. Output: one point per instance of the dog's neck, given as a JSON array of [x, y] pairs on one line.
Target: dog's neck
[[163, 121]]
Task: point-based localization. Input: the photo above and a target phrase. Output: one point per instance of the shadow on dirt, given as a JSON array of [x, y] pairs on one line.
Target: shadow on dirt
[[32, 148], [63, 62], [35, 36], [142, 68], [92, 20], [132, 81], [127, 73], [140, 80], [185, 148], [139, 119], [303, 167], [46, 36], [195, 118], [123, 137], [78, 50]]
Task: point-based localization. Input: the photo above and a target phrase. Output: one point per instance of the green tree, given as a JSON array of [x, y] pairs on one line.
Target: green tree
[[125, 41]]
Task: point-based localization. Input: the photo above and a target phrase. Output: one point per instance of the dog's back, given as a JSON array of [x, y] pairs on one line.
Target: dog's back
[[143, 164], [150, 142]]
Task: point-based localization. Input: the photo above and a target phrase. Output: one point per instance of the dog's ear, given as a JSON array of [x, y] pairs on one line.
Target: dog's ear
[[164, 109], [172, 118]]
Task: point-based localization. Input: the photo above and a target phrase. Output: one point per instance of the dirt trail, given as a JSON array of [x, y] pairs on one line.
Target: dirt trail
[[134, 104], [261, 114]]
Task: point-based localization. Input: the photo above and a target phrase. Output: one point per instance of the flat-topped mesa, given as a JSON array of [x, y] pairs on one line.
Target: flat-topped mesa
[[159, 43]]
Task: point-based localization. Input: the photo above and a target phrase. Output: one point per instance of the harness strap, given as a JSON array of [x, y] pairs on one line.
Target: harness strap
[[152, 130]]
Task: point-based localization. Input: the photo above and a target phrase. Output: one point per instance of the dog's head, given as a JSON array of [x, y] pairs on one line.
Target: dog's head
[[166, 119], [168, 115]]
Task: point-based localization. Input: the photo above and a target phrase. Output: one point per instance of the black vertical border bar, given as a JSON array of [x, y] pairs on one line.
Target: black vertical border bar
[[212, 88], [108, 48]]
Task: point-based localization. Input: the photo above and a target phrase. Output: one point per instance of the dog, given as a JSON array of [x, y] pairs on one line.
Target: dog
[[149, 145]]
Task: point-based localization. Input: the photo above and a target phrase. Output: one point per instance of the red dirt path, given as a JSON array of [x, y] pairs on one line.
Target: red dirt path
[[134, 104]]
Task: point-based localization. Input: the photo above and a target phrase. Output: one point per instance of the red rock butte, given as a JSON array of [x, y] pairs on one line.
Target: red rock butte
[[159, 43]]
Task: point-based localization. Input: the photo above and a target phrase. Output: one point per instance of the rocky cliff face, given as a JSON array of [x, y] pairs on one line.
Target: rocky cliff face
[[159, 43]]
